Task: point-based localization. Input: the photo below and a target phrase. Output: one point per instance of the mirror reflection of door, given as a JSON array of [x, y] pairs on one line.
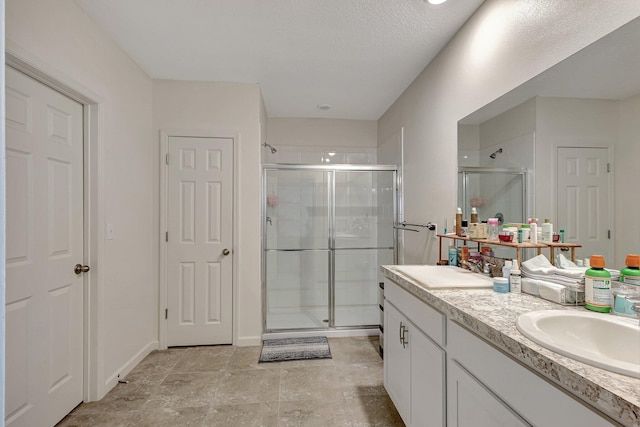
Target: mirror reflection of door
[[583, 199]]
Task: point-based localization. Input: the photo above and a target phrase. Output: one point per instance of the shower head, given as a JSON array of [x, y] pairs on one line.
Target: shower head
[[495, 153], [273, 150]]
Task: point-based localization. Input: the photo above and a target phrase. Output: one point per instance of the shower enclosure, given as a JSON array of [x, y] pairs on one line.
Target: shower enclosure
[[326, 231], [494, 192]]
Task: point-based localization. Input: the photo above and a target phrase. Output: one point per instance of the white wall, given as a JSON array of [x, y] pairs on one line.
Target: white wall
[[59, 34], [322, 132], [231, 109], [503, 44], [307, 141], [626, 172]]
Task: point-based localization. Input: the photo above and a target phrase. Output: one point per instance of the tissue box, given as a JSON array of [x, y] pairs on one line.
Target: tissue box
[[477, 230]]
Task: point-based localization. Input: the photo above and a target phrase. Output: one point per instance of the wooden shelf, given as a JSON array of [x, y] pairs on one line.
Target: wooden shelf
[[517, 246]]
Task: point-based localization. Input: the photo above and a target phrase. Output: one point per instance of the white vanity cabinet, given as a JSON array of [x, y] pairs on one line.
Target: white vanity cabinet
[[487, 388], [414, 367]]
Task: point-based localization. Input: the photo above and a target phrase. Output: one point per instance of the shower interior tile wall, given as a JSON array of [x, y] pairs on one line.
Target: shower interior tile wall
[[320, 155]]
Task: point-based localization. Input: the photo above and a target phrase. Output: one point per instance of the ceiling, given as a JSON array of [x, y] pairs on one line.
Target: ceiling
[[357, 56]]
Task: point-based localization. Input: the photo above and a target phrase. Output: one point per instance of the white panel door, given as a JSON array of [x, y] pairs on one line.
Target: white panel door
[[44, 347], [583, 200], [199, 252]]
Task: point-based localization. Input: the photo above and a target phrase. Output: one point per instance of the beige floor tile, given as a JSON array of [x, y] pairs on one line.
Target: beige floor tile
[[248, 386], [113, 403], [373, 411], [103, 419], [226, 386], [202, 359], [184, 390], [168, 417], [314, 413], [362, 379], [316, 382], [155, 366], [247, 358], [243, 415], [355, 350]]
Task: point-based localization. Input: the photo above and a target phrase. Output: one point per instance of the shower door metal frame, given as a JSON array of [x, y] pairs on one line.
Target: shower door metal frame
[[464, 173], [331, 232]]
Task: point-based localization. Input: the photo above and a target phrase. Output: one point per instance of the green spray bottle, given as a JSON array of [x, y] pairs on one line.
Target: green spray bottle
[[628, 288], [597, 286]]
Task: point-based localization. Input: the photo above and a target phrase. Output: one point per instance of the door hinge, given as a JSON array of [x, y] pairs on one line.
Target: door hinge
[[166, 158], [166, 313], [166, 236], [608, 234], [608, 167]]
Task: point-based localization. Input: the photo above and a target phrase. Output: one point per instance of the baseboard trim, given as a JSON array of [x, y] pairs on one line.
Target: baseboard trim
[[248, 341], [128, 366]]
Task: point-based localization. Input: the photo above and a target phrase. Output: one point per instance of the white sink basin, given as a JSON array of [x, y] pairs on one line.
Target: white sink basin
[[601, 340], [444, 276]]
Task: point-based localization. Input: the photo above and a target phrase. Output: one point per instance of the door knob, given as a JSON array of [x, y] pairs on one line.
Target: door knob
[[79, 268], [225, 252]]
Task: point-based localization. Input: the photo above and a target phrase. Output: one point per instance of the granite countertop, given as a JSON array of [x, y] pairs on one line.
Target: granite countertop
[[492, 316]]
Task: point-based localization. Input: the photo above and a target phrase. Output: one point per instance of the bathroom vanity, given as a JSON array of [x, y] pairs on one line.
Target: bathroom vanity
[[455, 357]]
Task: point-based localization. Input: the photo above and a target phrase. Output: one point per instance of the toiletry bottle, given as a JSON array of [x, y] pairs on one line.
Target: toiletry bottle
[[629, 288], [526, 232], [547, 231], [493, 228], [459, 222], [597, 286], [515, 281], [474, 215], [534, 233], [515, 278], [631, 273], [506, 270], [465, 228], [453, 255]]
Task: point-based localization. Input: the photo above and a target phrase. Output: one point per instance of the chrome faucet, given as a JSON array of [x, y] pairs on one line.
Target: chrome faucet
[[487, 269]]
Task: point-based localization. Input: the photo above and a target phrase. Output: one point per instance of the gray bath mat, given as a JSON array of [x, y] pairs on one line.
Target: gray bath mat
[[295, 349]]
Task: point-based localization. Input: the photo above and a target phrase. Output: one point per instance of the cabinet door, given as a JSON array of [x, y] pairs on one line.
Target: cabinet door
[[397, 362], [427, 380], [471, 404]]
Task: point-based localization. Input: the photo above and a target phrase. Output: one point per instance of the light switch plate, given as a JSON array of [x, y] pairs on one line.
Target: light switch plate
[[109, 231]]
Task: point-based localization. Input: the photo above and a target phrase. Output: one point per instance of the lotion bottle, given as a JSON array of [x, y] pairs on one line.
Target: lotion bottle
[[533, 237], [547, 231], [474, 215], [459, 222]]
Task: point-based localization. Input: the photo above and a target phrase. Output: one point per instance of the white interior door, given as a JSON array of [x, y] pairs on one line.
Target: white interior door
[[44, 297], [583, 199], [199, 248]]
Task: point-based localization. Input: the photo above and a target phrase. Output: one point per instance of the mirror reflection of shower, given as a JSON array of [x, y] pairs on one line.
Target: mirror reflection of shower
[[492, 155], [271, 147]]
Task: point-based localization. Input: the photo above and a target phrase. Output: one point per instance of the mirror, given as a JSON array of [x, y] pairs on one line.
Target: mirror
[[565, 127]]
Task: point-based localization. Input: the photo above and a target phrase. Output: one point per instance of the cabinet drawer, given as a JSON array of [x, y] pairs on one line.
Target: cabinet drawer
[[426, 318]]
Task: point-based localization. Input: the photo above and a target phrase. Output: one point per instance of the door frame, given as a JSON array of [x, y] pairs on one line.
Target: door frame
[[94, 386], [163, 288]]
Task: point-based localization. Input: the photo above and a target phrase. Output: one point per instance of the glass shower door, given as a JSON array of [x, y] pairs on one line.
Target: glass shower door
[[297, 250], [363, 240]]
